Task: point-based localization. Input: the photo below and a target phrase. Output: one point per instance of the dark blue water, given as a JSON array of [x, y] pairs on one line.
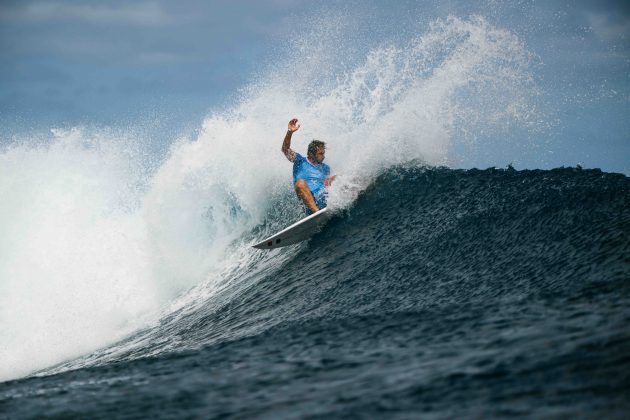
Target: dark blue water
[[441, 293]]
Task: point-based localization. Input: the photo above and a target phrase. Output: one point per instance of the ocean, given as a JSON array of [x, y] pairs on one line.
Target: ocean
[[439, 293], [129, 287]]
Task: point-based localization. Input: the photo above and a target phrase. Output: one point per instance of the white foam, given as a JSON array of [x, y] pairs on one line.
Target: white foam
[[73, 271]]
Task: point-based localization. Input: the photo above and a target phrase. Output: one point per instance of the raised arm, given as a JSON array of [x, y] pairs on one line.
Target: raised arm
[[286, 144]]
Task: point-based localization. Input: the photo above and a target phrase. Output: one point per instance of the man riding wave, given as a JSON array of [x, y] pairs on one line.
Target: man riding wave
[[310, 175]]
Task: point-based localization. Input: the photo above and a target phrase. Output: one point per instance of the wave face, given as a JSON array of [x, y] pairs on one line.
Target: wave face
[[444, 292]]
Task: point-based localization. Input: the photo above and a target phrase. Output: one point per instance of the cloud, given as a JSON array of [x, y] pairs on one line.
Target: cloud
[[132, 14], [608, 27]]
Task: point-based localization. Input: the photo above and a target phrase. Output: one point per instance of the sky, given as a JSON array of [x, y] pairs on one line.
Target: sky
[[69, 62]]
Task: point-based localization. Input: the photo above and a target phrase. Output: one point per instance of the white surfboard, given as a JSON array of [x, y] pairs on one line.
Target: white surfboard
[[297, 232]]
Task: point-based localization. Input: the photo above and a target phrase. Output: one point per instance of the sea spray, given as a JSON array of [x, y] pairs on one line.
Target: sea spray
[[92, 251]]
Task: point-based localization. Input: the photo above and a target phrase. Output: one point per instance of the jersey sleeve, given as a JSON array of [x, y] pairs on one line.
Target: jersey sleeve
[[298, 160], [297, 164]]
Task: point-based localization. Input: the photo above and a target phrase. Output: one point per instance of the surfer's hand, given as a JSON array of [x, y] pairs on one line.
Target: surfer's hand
[[329, 180], [294, 125]]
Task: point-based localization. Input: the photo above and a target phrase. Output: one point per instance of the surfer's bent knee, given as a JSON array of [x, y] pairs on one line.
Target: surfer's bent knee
[[300, 185]]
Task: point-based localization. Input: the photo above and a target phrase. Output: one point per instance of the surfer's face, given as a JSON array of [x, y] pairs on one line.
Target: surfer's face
[[319, 155]]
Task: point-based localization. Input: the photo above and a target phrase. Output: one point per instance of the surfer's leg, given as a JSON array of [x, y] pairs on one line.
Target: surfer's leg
[[304, 193], [320, 200]]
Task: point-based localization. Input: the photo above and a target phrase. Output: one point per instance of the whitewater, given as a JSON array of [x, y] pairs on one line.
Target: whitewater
[[119, 264]]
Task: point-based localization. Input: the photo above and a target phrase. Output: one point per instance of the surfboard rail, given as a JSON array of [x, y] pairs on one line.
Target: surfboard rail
[[297, 232]]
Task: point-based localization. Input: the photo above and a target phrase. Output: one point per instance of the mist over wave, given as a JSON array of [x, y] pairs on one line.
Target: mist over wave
[[99, 239]]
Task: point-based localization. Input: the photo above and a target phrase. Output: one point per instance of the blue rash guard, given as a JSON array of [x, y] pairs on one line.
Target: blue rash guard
[[314, 175]]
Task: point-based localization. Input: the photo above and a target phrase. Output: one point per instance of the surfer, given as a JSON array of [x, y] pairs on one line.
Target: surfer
[[310, 175]]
